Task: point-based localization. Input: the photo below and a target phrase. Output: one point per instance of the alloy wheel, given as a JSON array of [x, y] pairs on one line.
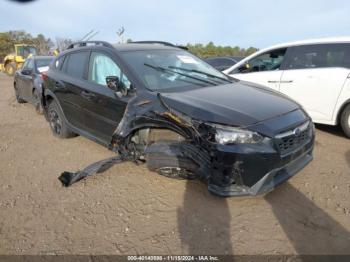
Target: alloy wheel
[[55, 122], [37, 103]]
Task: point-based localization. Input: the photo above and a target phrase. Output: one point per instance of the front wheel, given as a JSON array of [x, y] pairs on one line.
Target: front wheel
[[345, 120], [18, 97], [37, 102], [57, 121]]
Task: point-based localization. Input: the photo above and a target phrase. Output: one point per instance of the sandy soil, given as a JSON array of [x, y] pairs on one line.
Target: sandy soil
[[129, 210]]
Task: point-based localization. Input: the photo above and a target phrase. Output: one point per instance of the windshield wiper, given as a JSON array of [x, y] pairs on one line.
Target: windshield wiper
[[163, 69], [200, 72]]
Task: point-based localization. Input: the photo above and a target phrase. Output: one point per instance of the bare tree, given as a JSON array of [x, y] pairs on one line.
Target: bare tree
[[120, 33], [63, 43]]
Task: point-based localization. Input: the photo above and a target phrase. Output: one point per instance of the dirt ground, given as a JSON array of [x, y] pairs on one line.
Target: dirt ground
[[129, 210]]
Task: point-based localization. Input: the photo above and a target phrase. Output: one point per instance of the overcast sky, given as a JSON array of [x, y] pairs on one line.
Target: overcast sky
[[244, 23]]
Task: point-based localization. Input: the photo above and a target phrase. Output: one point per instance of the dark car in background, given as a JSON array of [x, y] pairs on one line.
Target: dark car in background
[[222, 63], [162, 105], [29, 79]]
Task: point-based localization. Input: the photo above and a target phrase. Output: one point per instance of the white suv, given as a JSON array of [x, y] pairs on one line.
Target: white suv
[[316, 73]]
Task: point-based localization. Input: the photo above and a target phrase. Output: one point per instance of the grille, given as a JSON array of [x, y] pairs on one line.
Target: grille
[[294, 139]]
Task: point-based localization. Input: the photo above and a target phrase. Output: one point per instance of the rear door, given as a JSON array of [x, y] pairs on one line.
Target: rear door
[[103, 107], [314, 76], [68, 86], [264, 69]]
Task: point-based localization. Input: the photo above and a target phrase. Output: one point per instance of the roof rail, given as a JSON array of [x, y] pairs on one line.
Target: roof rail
[[159, 43], [88, 43]]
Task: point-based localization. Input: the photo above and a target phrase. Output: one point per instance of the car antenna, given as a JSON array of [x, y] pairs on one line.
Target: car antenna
[[86, 35], [93, 35]]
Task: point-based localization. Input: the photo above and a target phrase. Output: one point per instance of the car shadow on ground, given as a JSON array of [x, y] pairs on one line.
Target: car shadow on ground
[[334, 130], [309, 229], [204, 222]]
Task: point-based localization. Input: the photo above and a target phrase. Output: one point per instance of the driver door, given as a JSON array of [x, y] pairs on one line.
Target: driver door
[[27, 86], [19, 78], [103, 107], [263, 69]]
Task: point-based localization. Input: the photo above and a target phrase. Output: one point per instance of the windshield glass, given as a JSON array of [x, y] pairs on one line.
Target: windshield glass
[[168, 69], [43, 62], [25, 51]]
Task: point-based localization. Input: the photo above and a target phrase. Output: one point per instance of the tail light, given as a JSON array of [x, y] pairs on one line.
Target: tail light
[[43, 76]]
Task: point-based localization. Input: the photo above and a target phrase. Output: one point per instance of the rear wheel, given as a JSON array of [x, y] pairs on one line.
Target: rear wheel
[[57, 121], [345, 120], [37, 102], [10, 69]]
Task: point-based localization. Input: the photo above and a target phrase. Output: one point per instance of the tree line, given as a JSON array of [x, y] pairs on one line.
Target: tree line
[[211, 49], [46, 45]]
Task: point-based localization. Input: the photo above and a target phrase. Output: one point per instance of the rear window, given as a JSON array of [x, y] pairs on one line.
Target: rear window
[[220, 61], [319, 56], [75, 64], [43, 64]]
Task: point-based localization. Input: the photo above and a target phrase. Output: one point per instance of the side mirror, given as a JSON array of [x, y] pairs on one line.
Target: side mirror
[[114, 83], [27, 72], [243, 68]]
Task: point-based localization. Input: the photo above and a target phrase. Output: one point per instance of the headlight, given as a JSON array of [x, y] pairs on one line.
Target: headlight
[[234, 135]]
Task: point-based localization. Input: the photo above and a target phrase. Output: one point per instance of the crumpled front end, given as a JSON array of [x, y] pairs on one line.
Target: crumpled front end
[[229, 170], [175, 145], [246, 170]]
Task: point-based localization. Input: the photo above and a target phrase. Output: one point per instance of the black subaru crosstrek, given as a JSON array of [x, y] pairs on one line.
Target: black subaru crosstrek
[[163, 106]]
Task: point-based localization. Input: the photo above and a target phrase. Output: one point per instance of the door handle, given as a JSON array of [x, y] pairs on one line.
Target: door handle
[[287, 81], [87, 95], [273, 81]]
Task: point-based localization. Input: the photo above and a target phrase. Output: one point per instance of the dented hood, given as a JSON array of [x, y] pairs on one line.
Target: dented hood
[[236, 104]]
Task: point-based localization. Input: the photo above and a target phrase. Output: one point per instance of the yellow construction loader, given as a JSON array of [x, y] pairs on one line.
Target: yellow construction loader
[[13, 62]]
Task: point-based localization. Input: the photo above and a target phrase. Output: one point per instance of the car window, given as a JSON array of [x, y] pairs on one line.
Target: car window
[[42, 64], [220, 61], [101, 66], [228, 62], [25, 63], [212, 61], [76, 63], [268, 61], [30, 64], [58, 63], [319, 56], [171, 69]]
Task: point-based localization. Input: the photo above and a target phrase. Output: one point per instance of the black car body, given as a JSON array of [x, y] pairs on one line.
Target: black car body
[[222, 63], [243, 139], [29, 79]]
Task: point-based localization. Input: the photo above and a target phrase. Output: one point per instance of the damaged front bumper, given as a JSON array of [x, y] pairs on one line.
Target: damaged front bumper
[[257, 172], [268, 182]]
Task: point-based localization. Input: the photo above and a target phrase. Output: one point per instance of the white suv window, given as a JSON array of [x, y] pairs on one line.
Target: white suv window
[[269, 61], [319, 56]]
